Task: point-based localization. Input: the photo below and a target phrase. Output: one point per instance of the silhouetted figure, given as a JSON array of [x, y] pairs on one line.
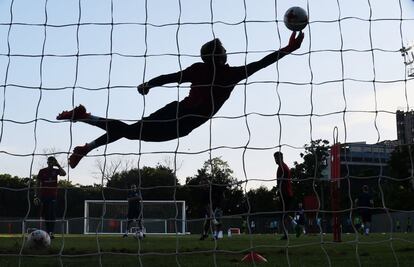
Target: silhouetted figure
[[207, 222], [47, 191], [358, 224], [212, 82], [134, 209], [364, 202], [217, 223], [284, 185], [397, 225], [300, 220]]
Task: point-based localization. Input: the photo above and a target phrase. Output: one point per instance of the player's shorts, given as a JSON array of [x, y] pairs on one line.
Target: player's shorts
[[134, 211], [48, 206], [163, 124], [365, 215], [288, 203], [301, 220]]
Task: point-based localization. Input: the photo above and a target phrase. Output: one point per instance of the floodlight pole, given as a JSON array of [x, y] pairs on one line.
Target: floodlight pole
[[408, 54]]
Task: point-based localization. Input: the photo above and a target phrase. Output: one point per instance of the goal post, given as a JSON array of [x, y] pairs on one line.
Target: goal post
[[335, 171], [110, 216]]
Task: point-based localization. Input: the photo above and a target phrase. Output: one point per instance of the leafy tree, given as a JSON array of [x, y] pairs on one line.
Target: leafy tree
[[307, 174], [398, 192], [401, 162], [314, 160], [157, 183], [14, 195], [213, 184], [262, 200]]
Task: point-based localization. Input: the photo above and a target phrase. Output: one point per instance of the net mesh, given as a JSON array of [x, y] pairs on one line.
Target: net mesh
[[348, 74]]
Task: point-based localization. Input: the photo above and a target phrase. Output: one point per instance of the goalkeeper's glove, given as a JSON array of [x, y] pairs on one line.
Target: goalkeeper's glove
[[144, 88], [36, 201]]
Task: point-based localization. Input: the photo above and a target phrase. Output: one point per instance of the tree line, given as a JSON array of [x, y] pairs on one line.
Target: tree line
[[215, 184]]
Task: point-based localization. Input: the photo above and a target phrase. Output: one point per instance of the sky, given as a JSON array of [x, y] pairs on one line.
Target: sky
[[348, 74]]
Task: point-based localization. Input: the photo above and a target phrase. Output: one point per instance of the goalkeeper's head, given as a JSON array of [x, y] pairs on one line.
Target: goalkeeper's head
[[214, 53]]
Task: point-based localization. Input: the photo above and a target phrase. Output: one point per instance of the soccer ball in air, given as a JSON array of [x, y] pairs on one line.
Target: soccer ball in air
[[296, 18], [38, 239]]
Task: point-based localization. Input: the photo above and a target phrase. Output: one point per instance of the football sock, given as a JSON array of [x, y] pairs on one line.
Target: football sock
[[94, 118], [91, 145]]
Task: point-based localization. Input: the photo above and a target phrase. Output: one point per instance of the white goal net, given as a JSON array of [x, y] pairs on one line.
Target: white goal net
[[348, 85]]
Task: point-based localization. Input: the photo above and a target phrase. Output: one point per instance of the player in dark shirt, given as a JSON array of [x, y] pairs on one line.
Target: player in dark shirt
[[217, 223], [284, 185], [364, 203], [300, 220], [134, 209], [46, 192], [212, 82], [206, 223]]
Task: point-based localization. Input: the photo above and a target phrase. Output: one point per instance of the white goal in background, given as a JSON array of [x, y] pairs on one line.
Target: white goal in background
[[159, 216]]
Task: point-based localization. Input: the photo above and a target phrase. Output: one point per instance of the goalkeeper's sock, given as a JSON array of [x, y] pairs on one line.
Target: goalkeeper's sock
[[94, 118], [91, 145]]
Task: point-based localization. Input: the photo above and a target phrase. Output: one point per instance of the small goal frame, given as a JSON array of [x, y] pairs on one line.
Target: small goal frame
[[180, 203]]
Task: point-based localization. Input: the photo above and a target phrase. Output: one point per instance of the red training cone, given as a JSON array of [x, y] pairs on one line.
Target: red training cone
[[253, 256]]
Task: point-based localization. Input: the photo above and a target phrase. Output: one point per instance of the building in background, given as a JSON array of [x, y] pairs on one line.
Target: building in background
[[405, 127], [362, 159], [365, 164]]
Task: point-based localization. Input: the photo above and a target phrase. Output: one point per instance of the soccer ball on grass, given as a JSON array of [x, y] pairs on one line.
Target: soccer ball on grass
[[139, 235], [38, 239], [295, 18]]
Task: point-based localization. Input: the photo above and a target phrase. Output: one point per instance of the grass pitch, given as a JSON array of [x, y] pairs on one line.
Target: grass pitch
[[103, 250]]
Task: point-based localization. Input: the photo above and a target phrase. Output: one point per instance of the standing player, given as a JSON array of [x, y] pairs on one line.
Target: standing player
[[244, 227], [364, 203], [46, 192], [218, 232], [284, 184], [212, 82], [134, 209], [357, 224], [207, 222], [408, 227], [300, 220], [397, 225], [252, 226]]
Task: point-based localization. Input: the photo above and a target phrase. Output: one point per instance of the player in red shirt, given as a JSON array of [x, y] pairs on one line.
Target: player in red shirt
[[212, 82], [46, 192], [284, 184], [364, 203]]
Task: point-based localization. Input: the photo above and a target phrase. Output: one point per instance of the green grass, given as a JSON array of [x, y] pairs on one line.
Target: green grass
[[83, 251]]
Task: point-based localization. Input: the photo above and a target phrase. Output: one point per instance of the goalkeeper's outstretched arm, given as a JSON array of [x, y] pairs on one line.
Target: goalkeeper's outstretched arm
[[294, 44]]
